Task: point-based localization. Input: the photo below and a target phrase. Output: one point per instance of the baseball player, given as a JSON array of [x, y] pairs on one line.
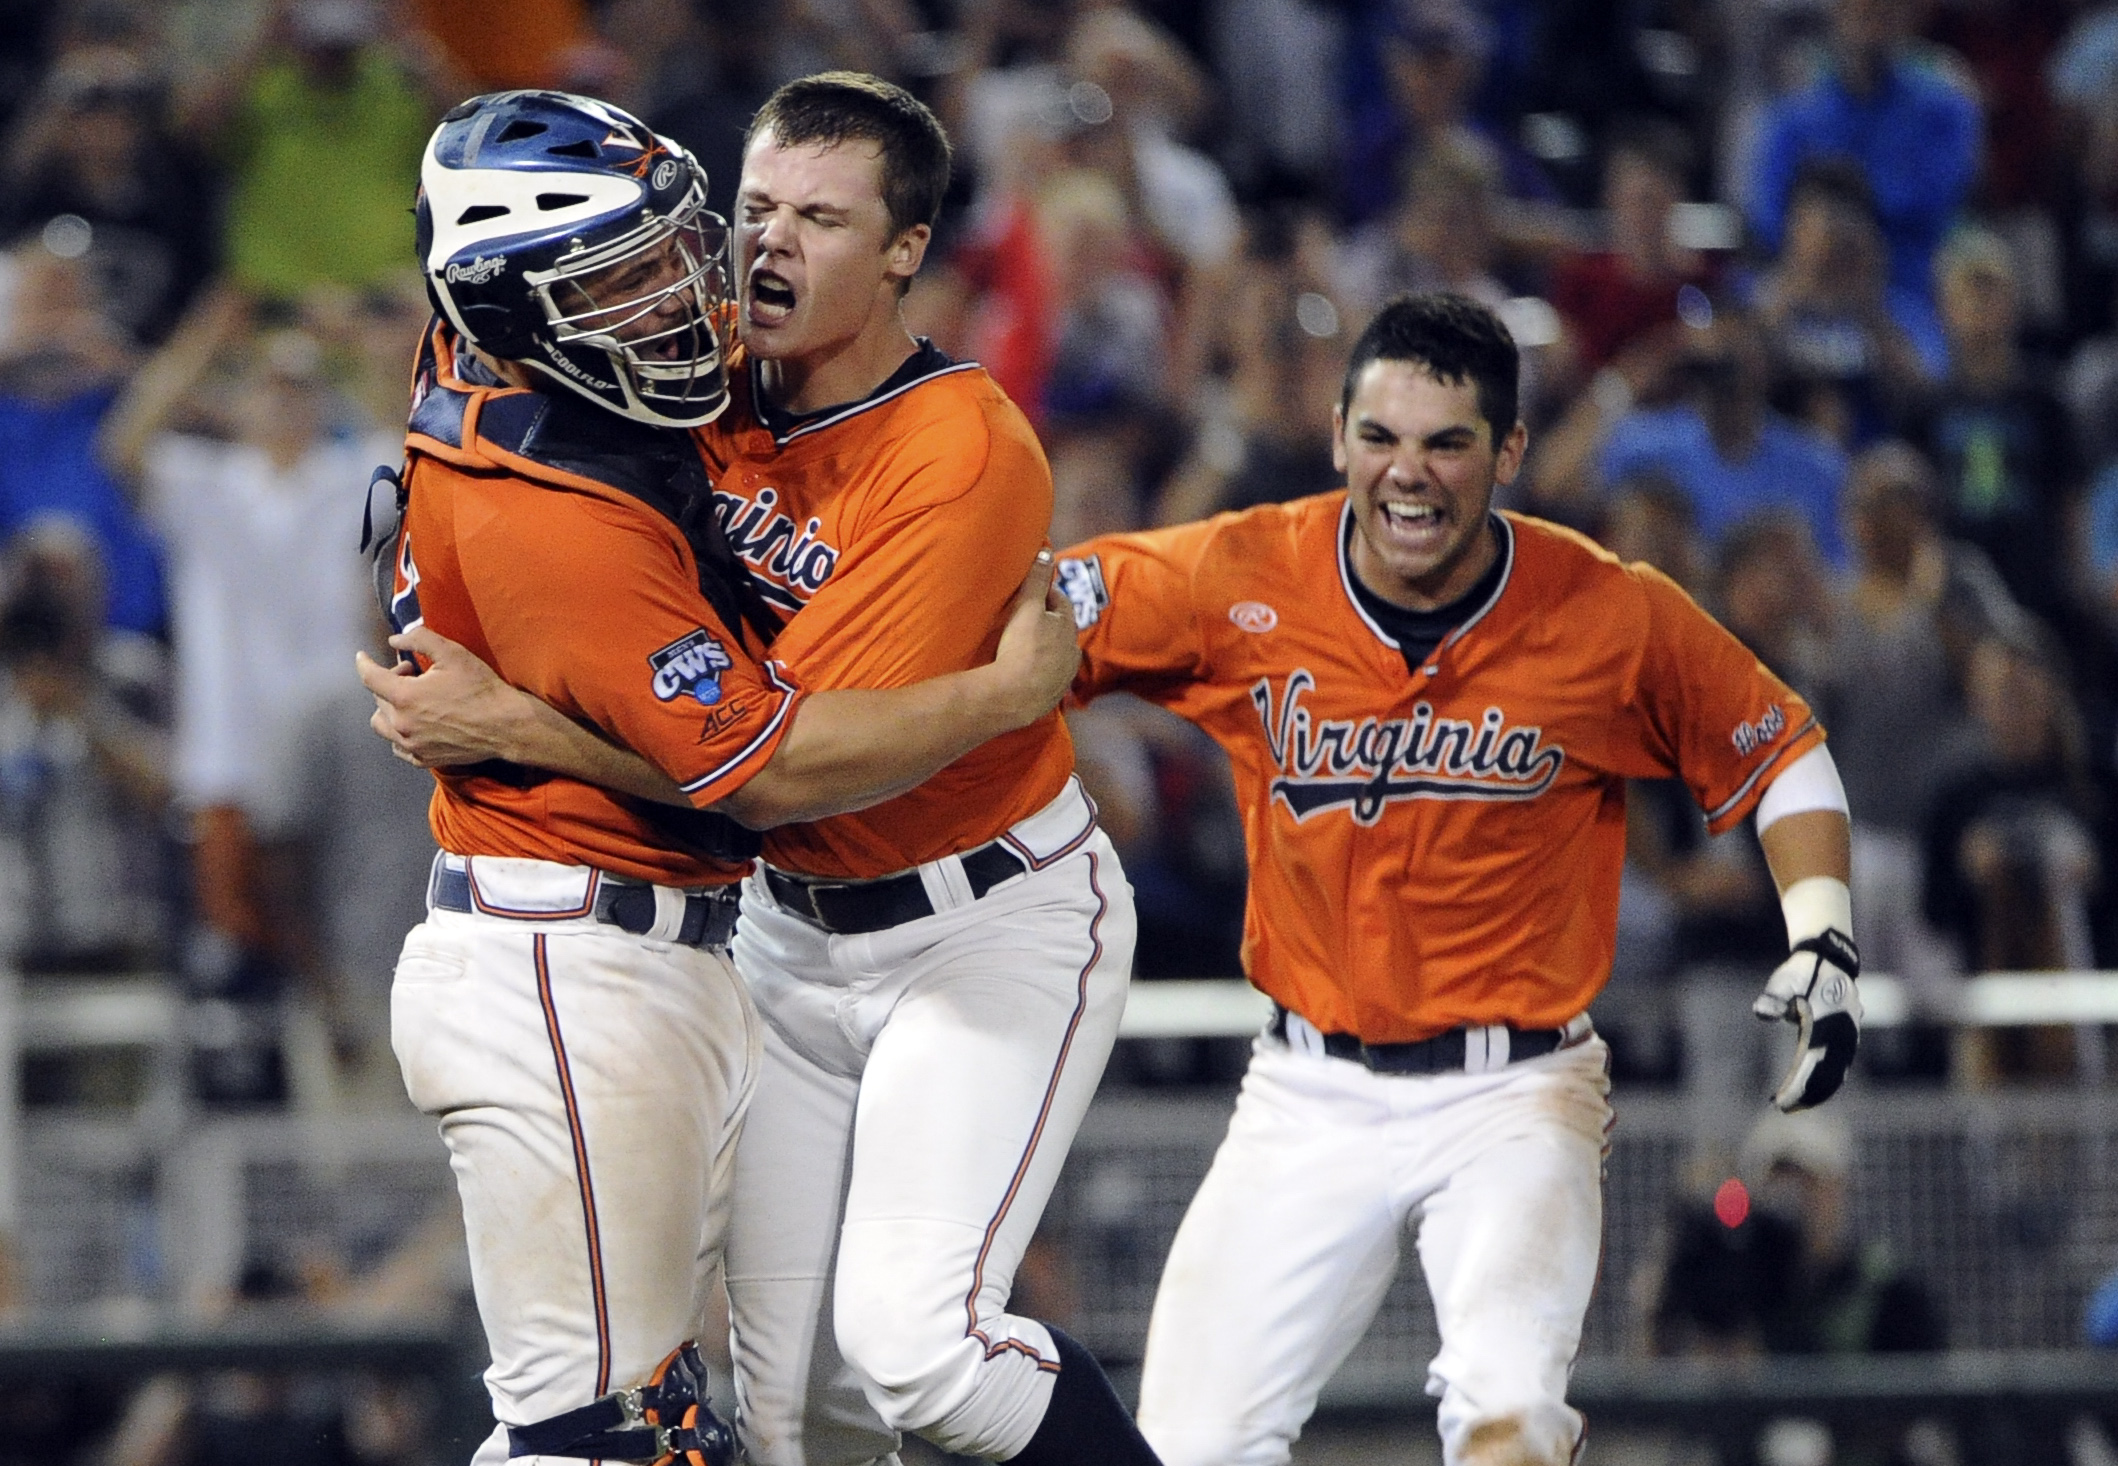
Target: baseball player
[[1432, 710], [568, 1009], [942, 973]]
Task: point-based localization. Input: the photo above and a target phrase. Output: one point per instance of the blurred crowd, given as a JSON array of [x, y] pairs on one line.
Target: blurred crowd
[[1818, 314], [1816, 299]]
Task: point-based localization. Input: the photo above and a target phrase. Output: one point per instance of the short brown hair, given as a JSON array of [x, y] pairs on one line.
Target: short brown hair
[[832, 107]]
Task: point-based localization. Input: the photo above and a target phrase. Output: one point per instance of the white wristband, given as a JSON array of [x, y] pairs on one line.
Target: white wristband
[[1815, 904]]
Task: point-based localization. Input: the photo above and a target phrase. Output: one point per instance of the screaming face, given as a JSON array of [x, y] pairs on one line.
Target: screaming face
[[1421, 467], [821, 261]]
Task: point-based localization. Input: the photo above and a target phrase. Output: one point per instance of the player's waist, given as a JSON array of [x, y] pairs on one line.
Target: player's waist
[[506, 888], [974, 800], [566, 822], [1473, 1049], [848, 907]]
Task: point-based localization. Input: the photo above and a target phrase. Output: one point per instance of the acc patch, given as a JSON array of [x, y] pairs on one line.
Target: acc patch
[[691, 664], [1081, 581]]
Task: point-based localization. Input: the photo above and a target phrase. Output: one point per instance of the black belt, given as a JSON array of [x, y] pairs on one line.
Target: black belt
[[1442, 1054], [709, 916], [847, 908]]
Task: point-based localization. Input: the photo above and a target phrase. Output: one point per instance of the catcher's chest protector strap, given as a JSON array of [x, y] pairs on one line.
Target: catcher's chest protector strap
[[659, 467]]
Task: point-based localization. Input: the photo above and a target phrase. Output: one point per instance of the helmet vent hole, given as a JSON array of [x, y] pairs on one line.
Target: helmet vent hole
[[520, 128], [582, 148], [479, 213], [550, 201]]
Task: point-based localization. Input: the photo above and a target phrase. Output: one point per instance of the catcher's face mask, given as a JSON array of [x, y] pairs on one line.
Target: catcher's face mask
[[559, 232]]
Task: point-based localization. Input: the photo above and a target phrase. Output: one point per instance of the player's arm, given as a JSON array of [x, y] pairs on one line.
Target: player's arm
[[844, 750], [1746, 744], [1132, 596], [1807, 837]]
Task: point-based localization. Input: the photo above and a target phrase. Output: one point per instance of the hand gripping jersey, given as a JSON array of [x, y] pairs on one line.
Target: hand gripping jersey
[[1437, 848], [566, 548], [899, 527]]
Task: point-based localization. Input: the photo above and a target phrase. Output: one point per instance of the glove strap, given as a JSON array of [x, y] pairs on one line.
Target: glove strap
[[1835, 947]]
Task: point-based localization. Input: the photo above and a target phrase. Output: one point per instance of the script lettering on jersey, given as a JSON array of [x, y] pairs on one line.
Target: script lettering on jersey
[[1750, 737], [789, 562], [1364, 766]]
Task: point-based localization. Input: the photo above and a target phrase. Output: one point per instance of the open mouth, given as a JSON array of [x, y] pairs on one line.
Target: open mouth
[[1413, 520], [771, 298]]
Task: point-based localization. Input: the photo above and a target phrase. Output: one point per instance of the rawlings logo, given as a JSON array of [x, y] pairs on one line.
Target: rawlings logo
[[477, 272], [1255, 617], [1335, 763], [664, 175], [1081, 582], [691, 664], [1750, 737]]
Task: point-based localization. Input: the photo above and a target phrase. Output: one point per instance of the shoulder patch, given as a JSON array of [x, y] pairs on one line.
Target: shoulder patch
[[691, 665], [1081, 581]]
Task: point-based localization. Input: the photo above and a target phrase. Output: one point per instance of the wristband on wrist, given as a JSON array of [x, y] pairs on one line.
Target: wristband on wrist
[[1814, 905]]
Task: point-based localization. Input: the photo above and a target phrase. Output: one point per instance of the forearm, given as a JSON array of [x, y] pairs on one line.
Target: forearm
[[851, 749], [1816, 843], [541, 737], [844, 751]]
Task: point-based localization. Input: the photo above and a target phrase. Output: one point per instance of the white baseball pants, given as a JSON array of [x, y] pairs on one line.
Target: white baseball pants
[[589, 1085], [921, 1087], [1290, 1245]]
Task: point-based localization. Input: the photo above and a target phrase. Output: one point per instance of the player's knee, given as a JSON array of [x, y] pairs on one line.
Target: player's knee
[[890, 1343]]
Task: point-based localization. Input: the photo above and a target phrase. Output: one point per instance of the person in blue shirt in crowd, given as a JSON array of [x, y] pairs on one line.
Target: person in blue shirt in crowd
[[1915, 131], [1724, 446], [62, 364]]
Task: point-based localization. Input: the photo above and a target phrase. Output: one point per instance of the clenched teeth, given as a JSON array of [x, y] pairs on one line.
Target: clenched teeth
[[1412, 513]]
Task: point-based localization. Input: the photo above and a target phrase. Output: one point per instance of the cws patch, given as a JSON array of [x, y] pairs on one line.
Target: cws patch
[[1081, 581], [691, 664]]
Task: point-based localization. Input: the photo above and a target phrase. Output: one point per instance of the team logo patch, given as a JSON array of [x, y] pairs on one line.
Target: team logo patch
[[1081, 581], [1255, 617], [691, 665], [1750, 737], [481, 269]]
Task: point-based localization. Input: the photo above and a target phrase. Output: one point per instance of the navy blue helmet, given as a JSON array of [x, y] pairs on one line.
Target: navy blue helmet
[[558, 231]]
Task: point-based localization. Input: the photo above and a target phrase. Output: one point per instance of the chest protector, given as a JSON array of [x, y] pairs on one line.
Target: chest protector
[[557, 442]]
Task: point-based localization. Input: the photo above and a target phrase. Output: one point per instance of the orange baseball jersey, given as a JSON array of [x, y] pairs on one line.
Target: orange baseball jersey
[[538, 534], [1443, 848], [895, 532]]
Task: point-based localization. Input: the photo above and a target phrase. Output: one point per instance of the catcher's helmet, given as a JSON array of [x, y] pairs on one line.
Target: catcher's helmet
[[558, 231]]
